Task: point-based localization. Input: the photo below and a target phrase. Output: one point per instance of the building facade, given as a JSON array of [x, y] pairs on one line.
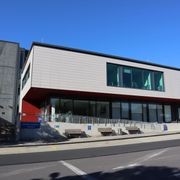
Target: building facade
[[57, 80], [11, 59]]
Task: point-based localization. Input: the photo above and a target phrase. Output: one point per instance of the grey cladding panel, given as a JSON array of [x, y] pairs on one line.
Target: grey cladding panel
[[8, 54], [8, 79], [7, 83]]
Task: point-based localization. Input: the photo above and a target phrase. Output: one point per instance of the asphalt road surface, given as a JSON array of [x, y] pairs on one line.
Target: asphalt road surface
[[69, 154], [157, 164]]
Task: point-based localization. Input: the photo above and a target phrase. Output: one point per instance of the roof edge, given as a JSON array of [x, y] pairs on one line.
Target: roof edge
[[100, 54], [12, 42]]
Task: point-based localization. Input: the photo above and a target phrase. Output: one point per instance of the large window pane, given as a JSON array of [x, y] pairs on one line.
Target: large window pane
[[54, 102], [133, 77], [137, 81], [167, 113], [116, 110], [147, 76], [92, 108], [136, 111], [152, 113], [158, 81], [66, 106], [160, 113], [127, 79], [26, 76], [125, 110], [103, 109], [144, 106], [81, 107], [112, 75]]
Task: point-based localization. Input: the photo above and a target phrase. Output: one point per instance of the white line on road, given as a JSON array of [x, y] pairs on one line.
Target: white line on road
[[148, 157], [128, 166], [77, 171], [141, 160], [24, 170]]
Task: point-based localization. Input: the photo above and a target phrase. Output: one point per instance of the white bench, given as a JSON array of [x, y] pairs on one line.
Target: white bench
[[105, 131], [133, 130], [73, 133]]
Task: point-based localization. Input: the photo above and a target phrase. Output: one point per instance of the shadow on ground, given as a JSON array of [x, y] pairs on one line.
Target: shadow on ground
[[136, 173], [45, 133]]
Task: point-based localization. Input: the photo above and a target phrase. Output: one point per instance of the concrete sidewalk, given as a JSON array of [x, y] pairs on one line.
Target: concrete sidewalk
[[83, 143]]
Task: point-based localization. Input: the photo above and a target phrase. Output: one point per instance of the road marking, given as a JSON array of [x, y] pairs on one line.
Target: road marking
[[76, 170], [141, 160], [128, 166], [148, 157], [23, 170]]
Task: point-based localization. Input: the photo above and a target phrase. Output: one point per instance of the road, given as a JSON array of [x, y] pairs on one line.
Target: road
[[81, 151], [157, 164]]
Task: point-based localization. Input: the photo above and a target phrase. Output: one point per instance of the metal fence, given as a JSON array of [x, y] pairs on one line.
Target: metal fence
[[69, 118]]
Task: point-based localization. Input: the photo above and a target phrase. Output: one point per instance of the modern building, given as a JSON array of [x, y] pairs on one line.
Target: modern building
[[11, 60], [59, 80]]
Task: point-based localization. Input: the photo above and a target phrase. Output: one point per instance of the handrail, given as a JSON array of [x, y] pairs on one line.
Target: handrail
[[78, 119]]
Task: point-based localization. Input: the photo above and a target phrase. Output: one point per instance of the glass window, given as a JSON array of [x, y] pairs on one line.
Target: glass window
[[26, 76], [144, 106], [66, 106], [131, 77], [116, 110], [160, 113], [127, 77], [167, 113], [178, 114], [103, 109], [81, 107], [92, 108], [137, 81], [152, 113], [112, 75], [54, 102], [158, 81], [147, 76], [136, 111], [125, 110]]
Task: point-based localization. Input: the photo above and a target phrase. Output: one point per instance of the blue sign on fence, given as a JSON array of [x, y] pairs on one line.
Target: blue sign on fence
[[30, 125], [165, 127], [89, 127]]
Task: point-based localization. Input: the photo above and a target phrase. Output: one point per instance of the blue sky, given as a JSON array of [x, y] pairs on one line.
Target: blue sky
[[147, 30]]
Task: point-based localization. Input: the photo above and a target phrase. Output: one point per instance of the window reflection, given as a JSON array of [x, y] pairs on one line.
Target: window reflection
[[81, 107], [158, 79], [147, 80], [103, 109], [136, 111], [125, 110], [116, 110], [167, 113], [152, 113], [131, 77], [127, 77], [137, 81], [54, 108], [66, 106]]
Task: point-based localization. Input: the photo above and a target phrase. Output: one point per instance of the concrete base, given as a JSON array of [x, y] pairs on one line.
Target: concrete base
[[54, 131]]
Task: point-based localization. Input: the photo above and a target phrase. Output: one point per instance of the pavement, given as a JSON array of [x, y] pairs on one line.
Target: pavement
[[93, 142]]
